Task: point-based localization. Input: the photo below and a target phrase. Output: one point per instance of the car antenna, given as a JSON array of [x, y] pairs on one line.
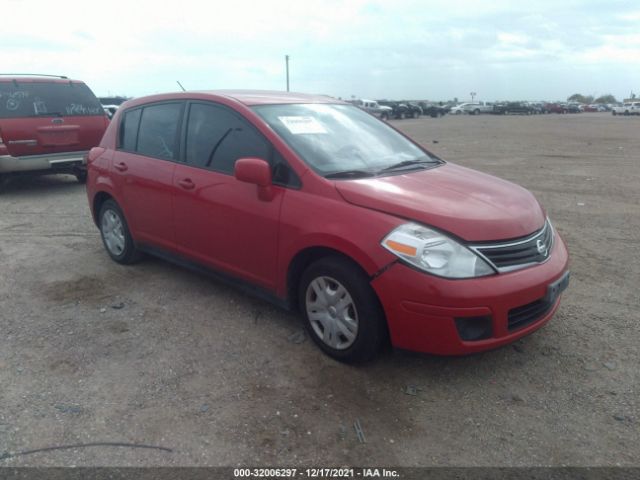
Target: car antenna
[[183, 89]]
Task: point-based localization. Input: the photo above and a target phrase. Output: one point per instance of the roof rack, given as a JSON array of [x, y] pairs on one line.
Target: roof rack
[[32, 75]]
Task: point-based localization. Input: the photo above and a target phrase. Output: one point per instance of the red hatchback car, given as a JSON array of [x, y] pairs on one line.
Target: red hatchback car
[[320, 207]]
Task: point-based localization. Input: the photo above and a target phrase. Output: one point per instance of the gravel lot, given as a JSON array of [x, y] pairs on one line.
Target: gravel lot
[[153, 354]]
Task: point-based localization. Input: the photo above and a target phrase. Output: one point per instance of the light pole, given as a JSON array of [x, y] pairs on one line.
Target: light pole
[[473, 95], [286, 61]]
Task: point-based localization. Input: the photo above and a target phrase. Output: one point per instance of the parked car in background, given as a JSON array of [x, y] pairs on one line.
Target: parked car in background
[[556, 107], [513, 108], [574, 108], [374, 108], [472, 108], [590, 108], [47, 125], [398, 110], [323, 209], [433, 110], [537, 107], [110, 110], [414, 110], [628, 108]]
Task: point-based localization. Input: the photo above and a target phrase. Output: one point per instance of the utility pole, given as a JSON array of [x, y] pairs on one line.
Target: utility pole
[[473, 95], [286, 60]]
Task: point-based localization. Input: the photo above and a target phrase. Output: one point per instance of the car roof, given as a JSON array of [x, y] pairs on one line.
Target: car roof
[[246, 97], [37, 79]]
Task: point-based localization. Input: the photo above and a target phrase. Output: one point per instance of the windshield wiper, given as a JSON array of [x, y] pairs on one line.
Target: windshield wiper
[[350, 174], [408, 163]]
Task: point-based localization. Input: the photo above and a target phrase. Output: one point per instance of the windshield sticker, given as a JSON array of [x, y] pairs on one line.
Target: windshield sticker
[[302, 125]]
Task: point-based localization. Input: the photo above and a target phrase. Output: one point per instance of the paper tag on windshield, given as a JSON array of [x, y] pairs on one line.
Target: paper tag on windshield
[[301, 125]]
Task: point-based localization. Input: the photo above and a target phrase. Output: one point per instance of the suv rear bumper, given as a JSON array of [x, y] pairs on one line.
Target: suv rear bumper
[[66, 161]]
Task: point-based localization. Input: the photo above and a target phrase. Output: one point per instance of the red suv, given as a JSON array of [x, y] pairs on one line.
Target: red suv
[[47, 125], [321, 207]]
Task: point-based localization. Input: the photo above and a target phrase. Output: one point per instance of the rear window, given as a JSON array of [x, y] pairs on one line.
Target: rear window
[[158, 130], [47, 99]]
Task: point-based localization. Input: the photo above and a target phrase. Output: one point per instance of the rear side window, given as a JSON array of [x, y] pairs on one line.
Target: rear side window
[[29, 99], [157, 134], [216, 138], [129, 130]]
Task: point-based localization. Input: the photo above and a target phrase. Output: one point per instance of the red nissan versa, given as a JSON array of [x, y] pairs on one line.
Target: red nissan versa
[[47, 125], [318, 206]]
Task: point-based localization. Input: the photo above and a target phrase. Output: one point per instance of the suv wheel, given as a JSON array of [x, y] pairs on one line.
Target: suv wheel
[[4, 180], [115, 234], [81, 176], [341, 311]]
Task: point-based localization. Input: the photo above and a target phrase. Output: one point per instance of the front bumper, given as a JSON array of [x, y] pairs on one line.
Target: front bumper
[[422, 309], [54, 162]]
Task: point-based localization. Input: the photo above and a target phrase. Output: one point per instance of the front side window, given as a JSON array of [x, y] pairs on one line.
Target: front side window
[[216, 138], [336, 139], [157, 134]]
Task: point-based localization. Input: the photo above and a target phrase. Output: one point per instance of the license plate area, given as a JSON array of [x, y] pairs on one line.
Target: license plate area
[[556, 288]]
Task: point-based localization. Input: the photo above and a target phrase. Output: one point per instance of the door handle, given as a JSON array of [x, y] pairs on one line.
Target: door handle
[[187, 184], [121, 166]]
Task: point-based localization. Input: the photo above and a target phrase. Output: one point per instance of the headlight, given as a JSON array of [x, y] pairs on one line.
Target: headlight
[[434, 252]]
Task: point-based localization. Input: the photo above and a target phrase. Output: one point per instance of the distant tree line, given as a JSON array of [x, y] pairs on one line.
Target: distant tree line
[[578, 97]]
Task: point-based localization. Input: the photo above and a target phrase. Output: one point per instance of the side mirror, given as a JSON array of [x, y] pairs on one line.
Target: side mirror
[[253, 170], [258, 172]]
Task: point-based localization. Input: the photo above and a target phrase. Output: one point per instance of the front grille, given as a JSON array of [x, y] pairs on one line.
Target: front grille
[[519, 253], [520, 317]]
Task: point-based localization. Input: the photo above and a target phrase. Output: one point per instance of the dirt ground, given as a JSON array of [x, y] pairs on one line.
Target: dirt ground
[[153, 354]]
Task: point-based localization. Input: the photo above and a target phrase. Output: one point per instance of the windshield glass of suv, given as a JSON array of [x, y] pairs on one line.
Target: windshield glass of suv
[[33, 99], [333, 138]]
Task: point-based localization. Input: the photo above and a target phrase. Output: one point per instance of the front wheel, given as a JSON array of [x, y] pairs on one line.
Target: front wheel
[[341, 311], [115, 234]]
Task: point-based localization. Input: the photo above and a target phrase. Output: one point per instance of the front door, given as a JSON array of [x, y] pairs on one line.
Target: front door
[[217, 219]]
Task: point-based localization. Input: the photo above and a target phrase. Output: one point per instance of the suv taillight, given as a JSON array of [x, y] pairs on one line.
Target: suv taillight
[[3, 147]]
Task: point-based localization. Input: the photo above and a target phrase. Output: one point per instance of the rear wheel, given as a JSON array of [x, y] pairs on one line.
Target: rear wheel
[[81, 176], [115, 234], [4, 181], [341, 311]]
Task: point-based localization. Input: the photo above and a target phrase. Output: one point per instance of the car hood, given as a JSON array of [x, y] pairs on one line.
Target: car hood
[[471, 205]]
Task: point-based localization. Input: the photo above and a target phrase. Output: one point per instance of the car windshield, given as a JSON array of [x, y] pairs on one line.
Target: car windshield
[[334, 139]]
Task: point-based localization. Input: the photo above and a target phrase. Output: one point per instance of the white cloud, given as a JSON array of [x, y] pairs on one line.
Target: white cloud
[[374, 48]]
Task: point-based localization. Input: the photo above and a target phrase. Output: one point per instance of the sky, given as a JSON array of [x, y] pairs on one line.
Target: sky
[[393, 49]]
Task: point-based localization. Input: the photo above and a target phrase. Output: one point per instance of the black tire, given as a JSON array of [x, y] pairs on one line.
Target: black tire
[[4, 181], [371, 324], [384, 117], [81, 176], [476, 112], [129, 253]]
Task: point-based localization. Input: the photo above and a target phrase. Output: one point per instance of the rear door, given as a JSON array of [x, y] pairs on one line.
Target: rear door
[[142, 170], [48, 117]]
